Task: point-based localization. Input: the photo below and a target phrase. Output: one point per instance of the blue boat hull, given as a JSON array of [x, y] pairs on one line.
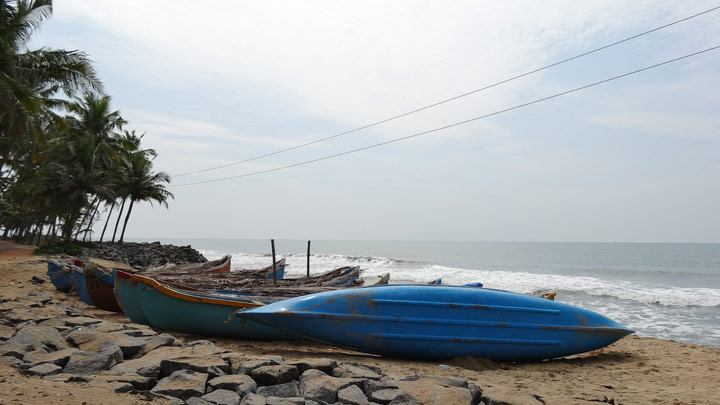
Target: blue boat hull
[[202, 313], [62, 279], [441, 322], [127, 296], [82, 289]]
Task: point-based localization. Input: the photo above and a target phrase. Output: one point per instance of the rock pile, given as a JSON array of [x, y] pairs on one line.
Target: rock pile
[[48, 340], [144, 255]]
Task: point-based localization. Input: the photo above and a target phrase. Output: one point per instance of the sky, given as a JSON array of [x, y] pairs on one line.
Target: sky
[[219, 82]]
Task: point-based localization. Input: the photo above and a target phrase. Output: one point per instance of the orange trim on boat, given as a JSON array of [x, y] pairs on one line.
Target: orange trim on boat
[[165, 289]]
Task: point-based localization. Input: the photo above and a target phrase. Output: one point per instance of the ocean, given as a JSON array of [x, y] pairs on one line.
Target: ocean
[[663, 290]]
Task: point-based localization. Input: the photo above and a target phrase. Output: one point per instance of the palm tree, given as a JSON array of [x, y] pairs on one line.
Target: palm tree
[[143, 184], [28, 79]]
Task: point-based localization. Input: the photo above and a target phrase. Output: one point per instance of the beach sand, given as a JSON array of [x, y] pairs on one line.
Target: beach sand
[[635, 370]]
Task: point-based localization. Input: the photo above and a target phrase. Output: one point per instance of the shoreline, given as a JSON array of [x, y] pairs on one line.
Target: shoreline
[[633, 370]]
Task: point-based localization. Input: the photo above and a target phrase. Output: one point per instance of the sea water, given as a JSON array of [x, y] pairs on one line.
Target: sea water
[[664, 290]]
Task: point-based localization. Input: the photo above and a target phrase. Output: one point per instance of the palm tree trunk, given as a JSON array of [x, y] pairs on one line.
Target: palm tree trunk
[[92, 218], [122, 235], [87, 214], [107, 220], [122, 207]]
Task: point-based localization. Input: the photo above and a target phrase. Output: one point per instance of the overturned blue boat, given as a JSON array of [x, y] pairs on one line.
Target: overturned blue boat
[[441, 322]]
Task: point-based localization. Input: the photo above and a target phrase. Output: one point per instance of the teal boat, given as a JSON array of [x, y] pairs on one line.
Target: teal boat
[[198, 312], [127, 296]]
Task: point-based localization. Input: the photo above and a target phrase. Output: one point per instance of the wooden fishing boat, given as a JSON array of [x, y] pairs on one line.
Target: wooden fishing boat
[[66, 274], [126, 290], [198, 312], [61, 275], [238, 281], [100, 284], [126, 293], [221, 265], [82, 288], [375, 280], [441, 322]]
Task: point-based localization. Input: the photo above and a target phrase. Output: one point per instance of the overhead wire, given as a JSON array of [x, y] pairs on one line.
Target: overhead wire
[[451, 98], [454, 124]]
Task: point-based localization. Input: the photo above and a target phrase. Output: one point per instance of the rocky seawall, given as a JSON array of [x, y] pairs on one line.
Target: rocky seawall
[[144, 255], [43, 337]]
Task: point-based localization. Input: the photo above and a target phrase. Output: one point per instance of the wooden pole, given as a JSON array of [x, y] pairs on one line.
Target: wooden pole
[[272, 244], [308, 260]]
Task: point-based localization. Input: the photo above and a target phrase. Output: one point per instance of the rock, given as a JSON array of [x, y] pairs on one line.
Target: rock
[[182, 384], [44, 369], [58, 358], [405, 399], [114, 350], [38, 337], [106, 327], [246, 366], [289, 389], [82, 362], [285, 401], [37, 315], [6, 332], [271, 375], [37, 297], [437, 390], [475, 394], [74, 321], [90, 340], [253, 399], [138, 382], [318, 386], [155, 342], [385, 396], [222, 397], [17, 350], [352, 395], [11, 361], [323, 364], [116, 386], [355, 371], [149, 364], [197, 401], [144, 255], [242, 384], [371, 386], [213, 365]]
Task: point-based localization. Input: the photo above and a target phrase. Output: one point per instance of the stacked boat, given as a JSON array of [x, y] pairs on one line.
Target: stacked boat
[[410, 321]]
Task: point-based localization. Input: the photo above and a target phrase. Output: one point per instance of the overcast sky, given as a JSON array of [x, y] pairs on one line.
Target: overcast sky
[[217, 82]]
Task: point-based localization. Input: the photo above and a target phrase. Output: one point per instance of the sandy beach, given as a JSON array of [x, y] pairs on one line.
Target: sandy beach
[[635, 370]]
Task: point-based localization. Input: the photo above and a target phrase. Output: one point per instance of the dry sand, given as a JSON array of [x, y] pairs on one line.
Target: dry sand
[[635, 370]]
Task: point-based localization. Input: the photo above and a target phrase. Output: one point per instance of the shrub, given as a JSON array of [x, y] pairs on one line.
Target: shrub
[[56, 247]]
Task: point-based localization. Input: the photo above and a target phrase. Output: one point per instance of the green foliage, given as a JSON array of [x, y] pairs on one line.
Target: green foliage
[[56, 247]]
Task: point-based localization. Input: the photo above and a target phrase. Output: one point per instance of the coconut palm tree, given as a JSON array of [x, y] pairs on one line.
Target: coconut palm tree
[[28, 79], [143, 184]]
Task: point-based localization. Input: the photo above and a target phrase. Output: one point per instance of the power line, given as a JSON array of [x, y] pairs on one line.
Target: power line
[[455, 124], [452, 98]]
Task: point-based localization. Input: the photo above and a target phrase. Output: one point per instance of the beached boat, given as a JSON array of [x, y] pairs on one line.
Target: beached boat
[[198, 312], [238, 280], [66, 274], [221, 265], [100, 285], [61, 275], [126, 287], [126, 293], [82, 288], [441, 322]]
